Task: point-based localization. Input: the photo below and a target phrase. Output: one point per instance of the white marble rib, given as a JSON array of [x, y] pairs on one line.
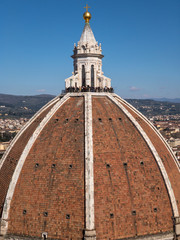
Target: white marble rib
[[151, 126], [15, 177], [36, 115], [154, 152], [89, 172]]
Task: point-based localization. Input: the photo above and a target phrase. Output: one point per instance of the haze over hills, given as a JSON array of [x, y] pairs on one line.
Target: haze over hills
[[150, 107], [13, 106], [22, 106], [173, 100], [16, 99]]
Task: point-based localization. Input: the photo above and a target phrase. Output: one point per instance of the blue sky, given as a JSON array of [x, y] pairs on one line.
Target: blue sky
[[140, 40]]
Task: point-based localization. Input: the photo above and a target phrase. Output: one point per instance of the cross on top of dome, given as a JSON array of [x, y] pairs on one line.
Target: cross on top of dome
[[87, 15], [87, 7]]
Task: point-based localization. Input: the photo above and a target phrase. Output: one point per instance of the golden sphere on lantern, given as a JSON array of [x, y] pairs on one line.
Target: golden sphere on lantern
[[87, 16]]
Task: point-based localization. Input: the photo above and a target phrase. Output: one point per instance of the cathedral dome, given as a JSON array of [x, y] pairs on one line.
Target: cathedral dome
[[89, 166], [89, 163]]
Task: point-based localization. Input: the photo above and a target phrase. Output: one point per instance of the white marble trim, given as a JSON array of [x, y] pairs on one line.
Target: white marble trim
[[15, 177], [89, 169], [151, 126], [155, 154], [36, 115]]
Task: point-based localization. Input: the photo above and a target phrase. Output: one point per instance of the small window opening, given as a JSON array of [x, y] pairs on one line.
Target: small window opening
[[120, 119], [44, 235], [142, 163], [37, 165], [70, 166], [110, 119], [100, 119], [56, 120], [24, 212], [45, 214], [76, 120], [108, 165], [133, 212], [53, 165], [125, 164], [111, 215], [155, 209], [67, 216], [66, 121]]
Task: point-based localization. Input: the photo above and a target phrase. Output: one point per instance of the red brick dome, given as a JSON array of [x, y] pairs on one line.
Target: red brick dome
[[89, 166]]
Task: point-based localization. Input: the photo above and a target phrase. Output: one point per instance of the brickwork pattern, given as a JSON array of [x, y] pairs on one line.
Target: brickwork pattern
[[164, 154], [12, 159], [130, 195], [49, 195]]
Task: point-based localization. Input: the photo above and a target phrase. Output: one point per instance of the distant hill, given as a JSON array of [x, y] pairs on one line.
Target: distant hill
[[12, 106], [150, 107], [173, 100], [15, 99]]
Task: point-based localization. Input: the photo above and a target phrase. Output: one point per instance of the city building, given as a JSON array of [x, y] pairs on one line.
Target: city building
[[89, 166]]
